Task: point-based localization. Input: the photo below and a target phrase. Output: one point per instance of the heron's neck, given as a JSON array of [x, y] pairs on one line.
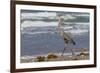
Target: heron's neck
[[59, 22], [60, 30]]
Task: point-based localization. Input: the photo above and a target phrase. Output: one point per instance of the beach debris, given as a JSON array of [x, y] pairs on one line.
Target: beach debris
[[83, 54], [39, 59], [51, 56]]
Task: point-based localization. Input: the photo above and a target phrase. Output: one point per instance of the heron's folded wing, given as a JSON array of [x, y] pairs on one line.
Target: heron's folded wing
[[69, 38]]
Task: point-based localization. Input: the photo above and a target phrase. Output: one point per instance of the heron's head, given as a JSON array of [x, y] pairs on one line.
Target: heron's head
[[58, 15]]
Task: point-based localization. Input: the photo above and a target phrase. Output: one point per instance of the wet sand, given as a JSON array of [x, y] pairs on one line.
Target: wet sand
[[83, 55]]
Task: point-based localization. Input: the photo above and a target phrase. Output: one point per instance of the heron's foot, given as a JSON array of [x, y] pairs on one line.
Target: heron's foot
[[63, 51]]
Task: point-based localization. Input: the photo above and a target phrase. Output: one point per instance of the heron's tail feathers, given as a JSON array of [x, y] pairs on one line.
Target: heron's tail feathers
[[73, 42]]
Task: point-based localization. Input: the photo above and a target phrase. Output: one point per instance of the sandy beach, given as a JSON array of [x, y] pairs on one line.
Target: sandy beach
[[79, 55]]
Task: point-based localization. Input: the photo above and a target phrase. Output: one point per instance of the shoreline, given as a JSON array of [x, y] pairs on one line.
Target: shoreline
[[82, 55], [75, 50]]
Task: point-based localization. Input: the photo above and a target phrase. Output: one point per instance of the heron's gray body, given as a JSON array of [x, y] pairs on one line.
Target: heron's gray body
[[67, 39]]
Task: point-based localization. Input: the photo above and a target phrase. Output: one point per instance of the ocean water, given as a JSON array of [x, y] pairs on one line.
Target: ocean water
[[33, 43]]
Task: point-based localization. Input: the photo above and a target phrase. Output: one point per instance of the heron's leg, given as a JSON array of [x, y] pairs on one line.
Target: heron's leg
[[63, 51], [72, 52]]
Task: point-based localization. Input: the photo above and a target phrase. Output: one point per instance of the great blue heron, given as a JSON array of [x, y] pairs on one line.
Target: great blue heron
[[67, 39]]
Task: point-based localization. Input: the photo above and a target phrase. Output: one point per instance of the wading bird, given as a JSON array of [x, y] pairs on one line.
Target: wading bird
[[65, 36]]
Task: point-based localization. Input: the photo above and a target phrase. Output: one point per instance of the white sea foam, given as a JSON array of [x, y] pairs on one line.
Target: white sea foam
[[78, 31], [37, 24], [39, 14], [43, 32], [42, 23], [74, 32], [33, 25]]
